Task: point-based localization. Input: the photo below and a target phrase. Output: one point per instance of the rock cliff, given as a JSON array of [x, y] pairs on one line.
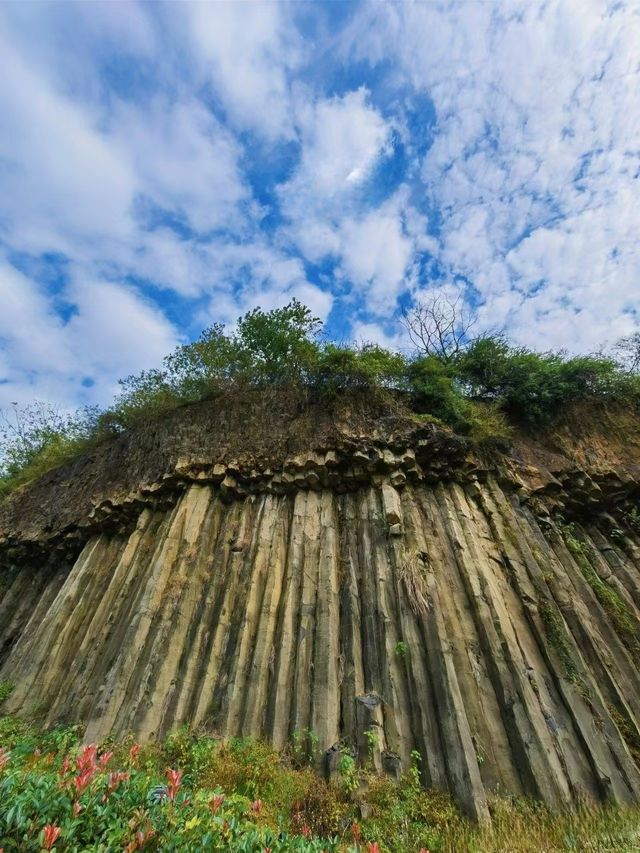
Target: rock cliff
[[262, 568]]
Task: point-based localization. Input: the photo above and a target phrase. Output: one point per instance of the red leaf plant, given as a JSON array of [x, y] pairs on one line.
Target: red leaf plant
[[175, 783], [115, 777], [50, 835], [216, 801]]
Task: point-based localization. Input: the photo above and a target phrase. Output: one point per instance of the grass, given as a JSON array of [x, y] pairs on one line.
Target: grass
[[241, 795], [557, 635], [626, 625]]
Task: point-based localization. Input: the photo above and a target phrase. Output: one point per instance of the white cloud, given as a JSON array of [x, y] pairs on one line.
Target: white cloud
[[184, 161], [62, 180], [535, 163], [112, 330], [247, 51], [375, 333], [341, 141], [30, 333], [375, 255]]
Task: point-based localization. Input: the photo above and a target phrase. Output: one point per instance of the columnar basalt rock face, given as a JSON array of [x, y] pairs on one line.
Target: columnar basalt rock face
[[455, 614]]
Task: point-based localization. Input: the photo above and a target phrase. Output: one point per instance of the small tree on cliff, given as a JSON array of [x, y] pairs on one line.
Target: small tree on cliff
[[627, 351], [439, 326], [278, 345]]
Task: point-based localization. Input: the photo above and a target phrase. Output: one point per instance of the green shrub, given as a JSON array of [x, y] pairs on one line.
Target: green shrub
[[533, 388], [195, 793], [480, 388]]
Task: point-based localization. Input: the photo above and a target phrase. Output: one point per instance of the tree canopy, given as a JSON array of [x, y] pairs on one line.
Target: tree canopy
[[480, 386]]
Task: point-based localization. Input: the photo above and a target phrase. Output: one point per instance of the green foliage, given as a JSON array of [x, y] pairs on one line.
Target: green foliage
[[402, 649], [38, 437], [195, 793], [56, 795], [480, 387], [6, 689], [340, 368], [349, 775], [531, 387], [277, 346], [305, 746]]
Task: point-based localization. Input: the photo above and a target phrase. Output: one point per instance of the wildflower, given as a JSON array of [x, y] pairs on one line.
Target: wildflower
[[50, 835], [65, 766], [4, 757], [256, 806], [175, 783], [305, 830], [216, 801], [133, 752], [355, 832], [373, 847]]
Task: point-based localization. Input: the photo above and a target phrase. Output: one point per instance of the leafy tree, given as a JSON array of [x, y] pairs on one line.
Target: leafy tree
[[278, 345], [533, 387], [435, 391], [198, 370], [339, 368]]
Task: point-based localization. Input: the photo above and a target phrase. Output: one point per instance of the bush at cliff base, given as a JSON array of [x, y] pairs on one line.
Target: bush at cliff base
[[196, 793], [58, 795]]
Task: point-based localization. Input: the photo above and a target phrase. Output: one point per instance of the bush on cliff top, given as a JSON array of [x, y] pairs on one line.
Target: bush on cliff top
[[477, 386]]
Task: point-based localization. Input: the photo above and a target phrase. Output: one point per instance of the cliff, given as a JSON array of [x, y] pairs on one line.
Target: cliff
[[261, 567]]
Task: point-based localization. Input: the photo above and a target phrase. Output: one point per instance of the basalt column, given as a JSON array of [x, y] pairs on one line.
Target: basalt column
[[447, 618]]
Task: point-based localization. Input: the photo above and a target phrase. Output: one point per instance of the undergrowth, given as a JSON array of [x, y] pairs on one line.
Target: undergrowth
[[557, 636], [196, 793]]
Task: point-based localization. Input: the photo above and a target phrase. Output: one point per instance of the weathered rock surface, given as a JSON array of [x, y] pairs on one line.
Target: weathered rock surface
[[384, 591]]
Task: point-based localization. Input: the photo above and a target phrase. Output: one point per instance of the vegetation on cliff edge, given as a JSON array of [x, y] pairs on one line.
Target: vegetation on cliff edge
[[480, 386]]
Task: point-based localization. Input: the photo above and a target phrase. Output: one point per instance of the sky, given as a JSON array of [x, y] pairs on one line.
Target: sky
[[164, 166]]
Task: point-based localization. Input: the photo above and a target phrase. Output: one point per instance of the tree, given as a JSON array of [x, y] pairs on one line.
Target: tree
[[439, 326], [627, 351], [277, 346], [29, 434]]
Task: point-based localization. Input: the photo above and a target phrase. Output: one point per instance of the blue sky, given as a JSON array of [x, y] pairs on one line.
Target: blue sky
[[167, 165]]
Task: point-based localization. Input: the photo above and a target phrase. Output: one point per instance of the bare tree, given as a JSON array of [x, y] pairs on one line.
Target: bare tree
[[627, 351], [439, 326]]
